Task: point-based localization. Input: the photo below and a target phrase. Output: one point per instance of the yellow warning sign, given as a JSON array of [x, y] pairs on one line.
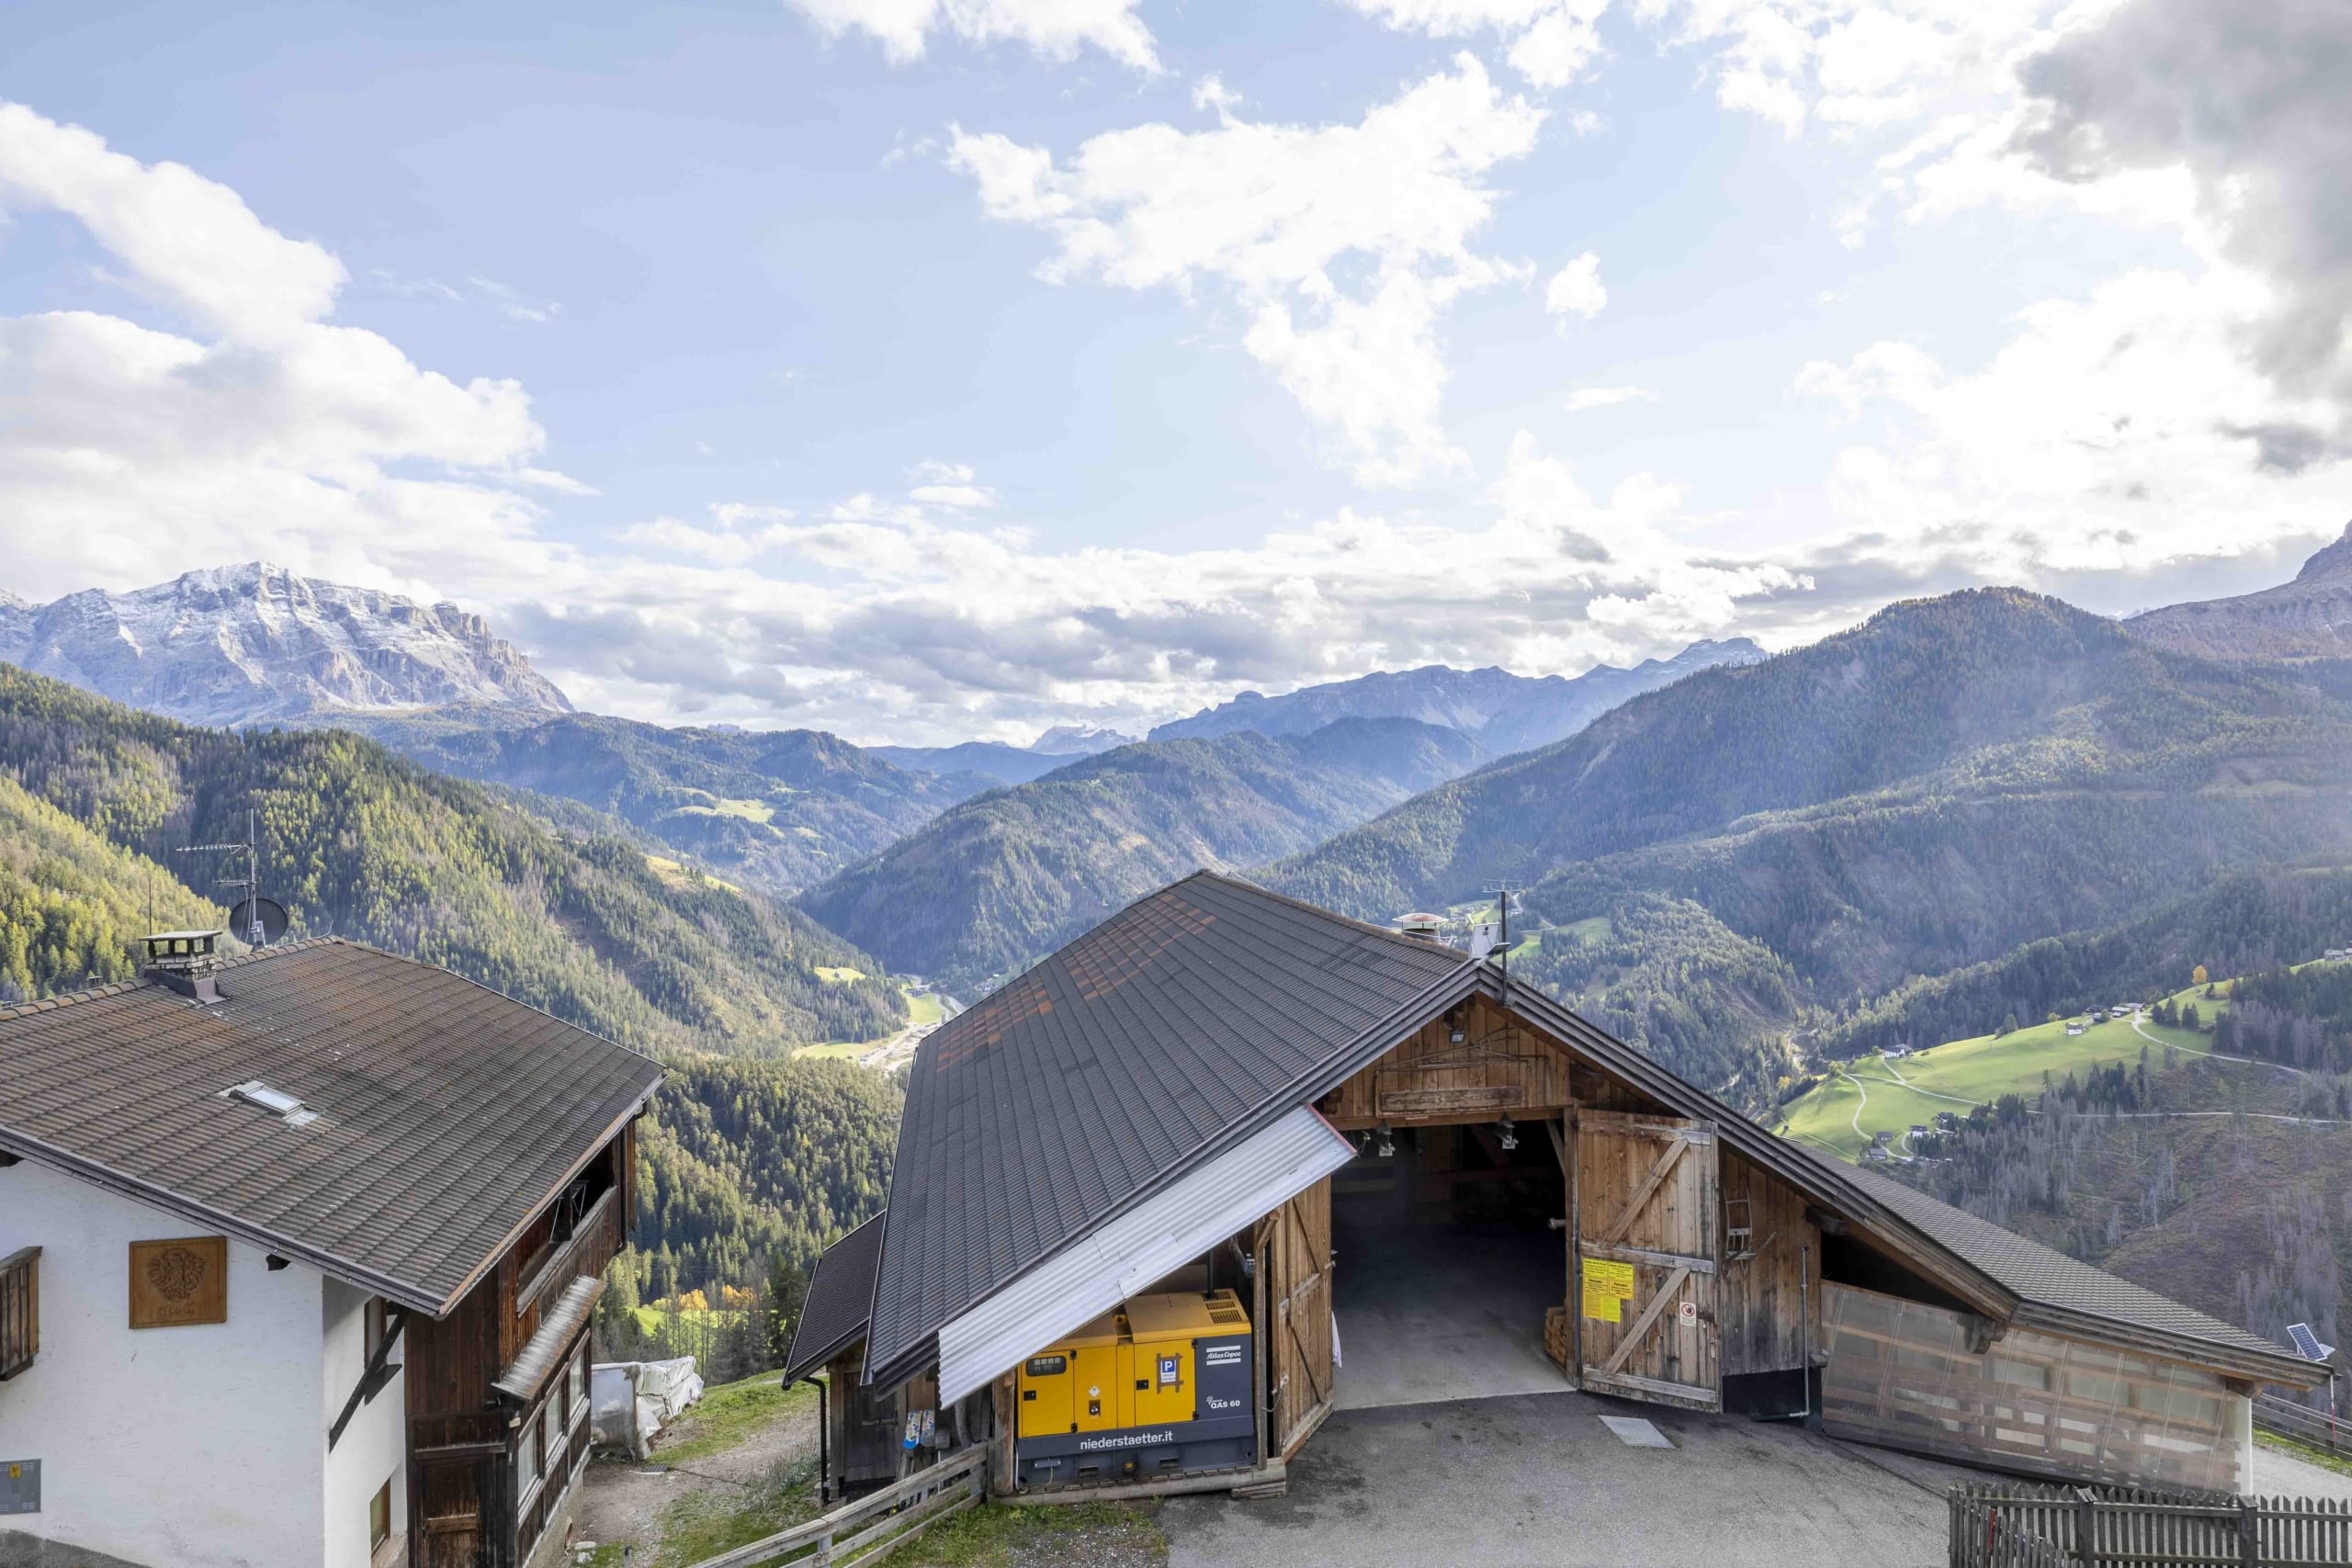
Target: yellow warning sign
[[1606, 1287]]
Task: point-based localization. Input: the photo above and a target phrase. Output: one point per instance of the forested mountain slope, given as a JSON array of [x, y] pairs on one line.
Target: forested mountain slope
[[1955, 741], [2244, 922], [778, 809], [1013, 874], [360, 843]]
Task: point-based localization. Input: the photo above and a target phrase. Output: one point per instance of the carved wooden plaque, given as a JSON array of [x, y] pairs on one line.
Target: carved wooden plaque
[[179, 1282], [1435, 1101]]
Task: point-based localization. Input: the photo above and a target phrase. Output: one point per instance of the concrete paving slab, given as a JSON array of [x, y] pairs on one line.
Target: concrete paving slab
[[1536, 1480], [1427, 1313]]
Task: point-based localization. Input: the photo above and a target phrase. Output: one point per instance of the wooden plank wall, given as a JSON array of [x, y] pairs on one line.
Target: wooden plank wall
[[1665, 1227], [1500, 1065], [1901, 1373], [1760, 1299], [1296, 1247]]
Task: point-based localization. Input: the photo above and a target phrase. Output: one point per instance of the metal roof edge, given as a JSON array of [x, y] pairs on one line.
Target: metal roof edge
[[1301, 1090], [2073, 1323], [879, 1217], [797, 1369]]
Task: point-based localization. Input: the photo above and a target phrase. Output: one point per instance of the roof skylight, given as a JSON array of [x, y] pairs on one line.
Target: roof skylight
[[277, 1101]]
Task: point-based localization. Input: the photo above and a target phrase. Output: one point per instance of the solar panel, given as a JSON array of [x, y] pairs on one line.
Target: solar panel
[[2307, 1344]]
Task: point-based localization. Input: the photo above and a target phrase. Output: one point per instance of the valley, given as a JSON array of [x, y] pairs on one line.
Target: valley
[[1935, 827]]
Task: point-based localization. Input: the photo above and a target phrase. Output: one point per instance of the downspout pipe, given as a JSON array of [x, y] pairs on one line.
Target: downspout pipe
[[824, 1440]]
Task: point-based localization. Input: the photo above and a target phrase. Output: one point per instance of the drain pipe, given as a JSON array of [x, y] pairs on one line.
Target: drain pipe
[[1804, 1326], [824, 1438]]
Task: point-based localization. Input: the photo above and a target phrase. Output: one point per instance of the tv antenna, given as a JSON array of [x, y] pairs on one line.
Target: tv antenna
[[253, 920], [1504, 893]]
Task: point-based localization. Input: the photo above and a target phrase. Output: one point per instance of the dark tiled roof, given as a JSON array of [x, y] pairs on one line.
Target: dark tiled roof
[[840, 1299], [2036, 1274], [1109, 1067], [448, 1114]]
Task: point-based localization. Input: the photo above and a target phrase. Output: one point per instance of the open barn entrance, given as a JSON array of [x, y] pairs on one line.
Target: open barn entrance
[[1445, 1260]]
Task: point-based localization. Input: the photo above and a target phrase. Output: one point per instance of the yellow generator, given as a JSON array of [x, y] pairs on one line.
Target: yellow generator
[[1157, 1386]]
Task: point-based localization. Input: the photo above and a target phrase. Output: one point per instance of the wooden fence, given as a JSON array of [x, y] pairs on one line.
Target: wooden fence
[[2303, 1424], [2037, 1527], [874, 1526]]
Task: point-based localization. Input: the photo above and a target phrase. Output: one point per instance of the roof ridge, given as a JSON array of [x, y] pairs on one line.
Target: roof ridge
[[1245, 885], [117, 988]]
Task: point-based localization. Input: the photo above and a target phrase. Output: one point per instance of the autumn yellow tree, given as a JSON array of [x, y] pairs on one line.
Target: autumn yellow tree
[[2197, 976]]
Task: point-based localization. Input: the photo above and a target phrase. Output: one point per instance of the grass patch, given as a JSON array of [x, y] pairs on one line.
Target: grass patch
[[703, 1524], [672, 874], [999, 1535], [728, 1416], [2339, 1464], [836, 1050], [1892, 1096], [839, 974], [1592, 928], [758, 811], [924, 1007]]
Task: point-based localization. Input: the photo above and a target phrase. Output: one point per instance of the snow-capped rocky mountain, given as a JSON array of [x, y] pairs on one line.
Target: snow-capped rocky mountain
[[254, 643]]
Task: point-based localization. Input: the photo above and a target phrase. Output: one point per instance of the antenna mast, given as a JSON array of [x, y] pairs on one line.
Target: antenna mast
[[1504, 893], [249, 884]]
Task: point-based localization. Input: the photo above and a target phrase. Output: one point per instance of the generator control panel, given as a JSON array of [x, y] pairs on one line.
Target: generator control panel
[[1160, 1385]]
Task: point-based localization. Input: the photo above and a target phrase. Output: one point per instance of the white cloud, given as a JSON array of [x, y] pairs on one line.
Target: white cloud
[[950, 484], [266, 429], [1055, 28], [1343, 243], [1552, 41], [189, 241], [1585, 398], [1576, 290], [2109, 435], [869, 613]]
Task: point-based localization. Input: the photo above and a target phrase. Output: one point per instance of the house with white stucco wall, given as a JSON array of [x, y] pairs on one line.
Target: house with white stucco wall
[[298, 1254]]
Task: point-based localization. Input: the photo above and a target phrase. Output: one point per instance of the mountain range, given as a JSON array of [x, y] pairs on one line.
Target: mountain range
[[1010, 875], [778, 809], [258, 644], [1500, 711], [2308, 619]]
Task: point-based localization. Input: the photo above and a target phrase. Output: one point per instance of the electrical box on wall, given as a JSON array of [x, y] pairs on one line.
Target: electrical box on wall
[[19, 1487]]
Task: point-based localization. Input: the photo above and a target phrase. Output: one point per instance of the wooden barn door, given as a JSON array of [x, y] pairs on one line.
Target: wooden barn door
[[1647, 1254], [1298, 1264]]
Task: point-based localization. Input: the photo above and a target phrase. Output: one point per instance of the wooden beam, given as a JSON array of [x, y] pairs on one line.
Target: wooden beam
[[1559, 1144], [1655, 1259], [1663, 1168], [1648, 1321]]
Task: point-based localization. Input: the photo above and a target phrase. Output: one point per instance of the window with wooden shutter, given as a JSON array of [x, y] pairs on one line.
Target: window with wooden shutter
[[19, 1311]]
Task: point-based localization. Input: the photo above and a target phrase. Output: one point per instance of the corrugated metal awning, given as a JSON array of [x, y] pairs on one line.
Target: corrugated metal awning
[[560, 1326], [1098, 1271]]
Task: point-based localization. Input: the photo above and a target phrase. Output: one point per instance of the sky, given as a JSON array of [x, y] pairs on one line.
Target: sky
[[931, 369]]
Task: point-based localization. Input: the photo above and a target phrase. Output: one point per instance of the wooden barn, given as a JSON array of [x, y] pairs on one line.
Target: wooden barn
[[1414, 1181]]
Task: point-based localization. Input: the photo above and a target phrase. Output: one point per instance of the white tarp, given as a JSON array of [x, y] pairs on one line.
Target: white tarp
[[1098, 1271], [630, 1402]]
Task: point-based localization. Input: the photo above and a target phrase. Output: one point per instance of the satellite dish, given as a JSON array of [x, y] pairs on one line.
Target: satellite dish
[[268, 911]]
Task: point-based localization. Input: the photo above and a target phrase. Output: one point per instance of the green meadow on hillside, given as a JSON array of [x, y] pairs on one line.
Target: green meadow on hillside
[[1872, 1094]]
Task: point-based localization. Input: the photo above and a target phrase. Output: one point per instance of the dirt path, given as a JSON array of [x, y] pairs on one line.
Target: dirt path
[[625, 1501]]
